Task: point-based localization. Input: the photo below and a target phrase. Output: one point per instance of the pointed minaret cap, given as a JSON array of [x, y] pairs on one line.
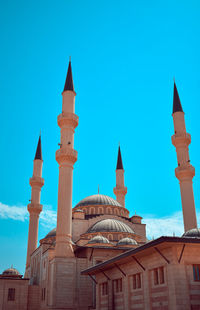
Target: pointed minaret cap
[[69, 85], [38, 154], [119, 160], [177, 107]]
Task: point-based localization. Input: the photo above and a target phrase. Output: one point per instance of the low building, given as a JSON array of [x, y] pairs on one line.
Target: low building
[[13, 290], [162, 274]]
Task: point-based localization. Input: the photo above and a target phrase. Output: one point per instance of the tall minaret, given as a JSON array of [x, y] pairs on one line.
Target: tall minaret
[[34, 208], [185, 171], [66, 156], [120, 190]]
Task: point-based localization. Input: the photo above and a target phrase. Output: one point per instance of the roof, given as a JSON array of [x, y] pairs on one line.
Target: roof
[[52, 233], [98, 200], [177, 107], [69, 85], [119, 160], [164, 239], [194, 233], [98, 239], [110, 225], [127, 241], [38, 154], [11, 272]]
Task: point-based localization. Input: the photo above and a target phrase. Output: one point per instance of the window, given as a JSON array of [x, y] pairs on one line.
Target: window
[[196, 272], [104, 288], [158, 276], [43, 293], [118, 285], [11, 294], [136, 281]]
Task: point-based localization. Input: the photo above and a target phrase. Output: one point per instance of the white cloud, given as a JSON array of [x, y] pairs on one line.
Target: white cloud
[[20, 213], [165, 226]]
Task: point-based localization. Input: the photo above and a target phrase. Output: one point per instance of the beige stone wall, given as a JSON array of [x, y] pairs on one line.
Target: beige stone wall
[[21, 294]]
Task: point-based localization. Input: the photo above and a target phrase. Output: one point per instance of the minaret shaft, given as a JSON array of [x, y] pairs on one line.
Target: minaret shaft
[[34, 208], [66, 156], [185, 171]]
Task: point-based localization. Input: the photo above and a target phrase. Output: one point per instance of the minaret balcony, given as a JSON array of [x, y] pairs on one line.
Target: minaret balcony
[[68, 120], [185, 173], [66, 155], [34, 208], [36, 181], [120, 190], [184, 139]]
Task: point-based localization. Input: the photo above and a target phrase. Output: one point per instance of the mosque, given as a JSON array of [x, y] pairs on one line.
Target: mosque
[[98, 257]]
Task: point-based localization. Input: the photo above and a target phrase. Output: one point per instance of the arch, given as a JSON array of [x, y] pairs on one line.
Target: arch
[[116, 211], [120, 236], [92, 210], [109, 210], [100, 210], [84, 210], [110, 237]]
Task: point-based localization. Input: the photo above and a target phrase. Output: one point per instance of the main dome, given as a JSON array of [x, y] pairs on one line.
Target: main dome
[[108, 225], [98, 200]]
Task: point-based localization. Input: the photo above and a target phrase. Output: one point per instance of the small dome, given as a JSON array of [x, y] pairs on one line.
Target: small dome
[[98, 239], [194, 233], [126, 241], [51, 234], [11, 272], [110, 225], [98, 200]]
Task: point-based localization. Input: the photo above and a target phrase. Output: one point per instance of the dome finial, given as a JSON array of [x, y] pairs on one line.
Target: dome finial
[[98, 189]]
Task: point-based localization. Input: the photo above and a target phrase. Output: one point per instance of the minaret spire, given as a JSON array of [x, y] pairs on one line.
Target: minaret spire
[[177, 107], [119, 160], [120, 190], [38, 154], [34, 208], [185, 171], [69, 85]]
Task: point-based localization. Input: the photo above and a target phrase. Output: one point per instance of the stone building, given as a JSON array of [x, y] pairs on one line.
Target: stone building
[[98, 256]]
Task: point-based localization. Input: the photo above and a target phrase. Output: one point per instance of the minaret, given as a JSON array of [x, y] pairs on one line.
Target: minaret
[[185, 171], [120, 190], [34, 208], [66, 156]]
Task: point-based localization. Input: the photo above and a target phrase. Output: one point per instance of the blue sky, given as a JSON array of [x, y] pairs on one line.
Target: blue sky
[[124, 57]]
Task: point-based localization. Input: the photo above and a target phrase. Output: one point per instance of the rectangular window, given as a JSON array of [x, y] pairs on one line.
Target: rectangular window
[[158, 276], [161, 275], [137, 281], [196, 272], [104, 288], [43, 293], [118, 285], [11, 294]]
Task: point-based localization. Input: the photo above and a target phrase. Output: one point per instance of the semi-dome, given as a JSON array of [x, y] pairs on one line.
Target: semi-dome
[[98, 239], [194, 233], [126, 241], [108, 225], [98, 200], [11, 272]]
